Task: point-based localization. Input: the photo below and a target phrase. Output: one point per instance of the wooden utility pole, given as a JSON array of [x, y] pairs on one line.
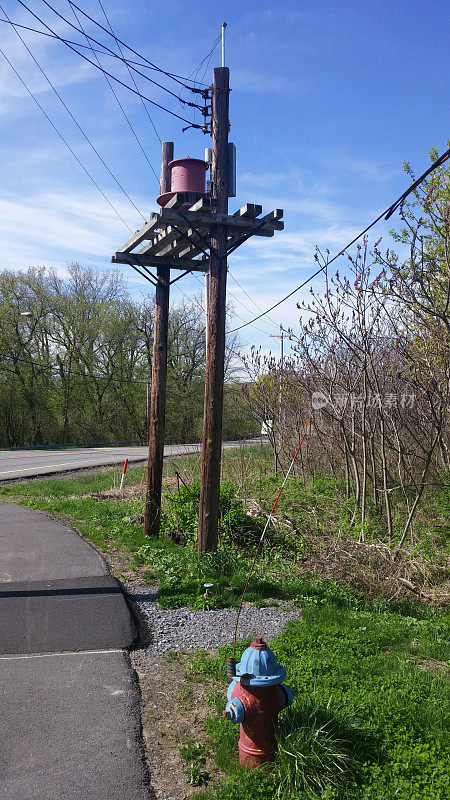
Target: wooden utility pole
[[215, 356], [178, 237], [152, 516]]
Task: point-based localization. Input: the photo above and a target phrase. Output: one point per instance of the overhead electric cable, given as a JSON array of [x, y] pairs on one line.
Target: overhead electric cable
[[139, 55], [208, 59], [208, 56], [387, 213], [54, 36], [105, 52], [177, 78], [125, 85], [64, 104], [197, 69], [266, 333], [129, 70], [120, 104], [275, 324], [160, 85], [64, 140]]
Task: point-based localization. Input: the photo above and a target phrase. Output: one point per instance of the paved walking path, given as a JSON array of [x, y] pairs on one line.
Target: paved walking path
[[69, 705]]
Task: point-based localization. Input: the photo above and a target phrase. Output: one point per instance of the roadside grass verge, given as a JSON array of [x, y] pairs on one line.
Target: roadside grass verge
[[370, 717], [318, 509], [172, 560], [309, 544]]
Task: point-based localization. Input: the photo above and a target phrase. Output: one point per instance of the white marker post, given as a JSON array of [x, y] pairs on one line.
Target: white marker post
[[123, 473]]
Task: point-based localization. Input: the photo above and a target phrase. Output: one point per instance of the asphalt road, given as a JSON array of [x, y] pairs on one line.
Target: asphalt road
[[70, 729], [69, 703], [55, 591], [20, 464]]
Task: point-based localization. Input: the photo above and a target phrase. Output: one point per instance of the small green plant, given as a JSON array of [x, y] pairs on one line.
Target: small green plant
[[197, 776], [204, 603], [171, 656], [184, 696], [194, 754], [317, 749], [191, 750]]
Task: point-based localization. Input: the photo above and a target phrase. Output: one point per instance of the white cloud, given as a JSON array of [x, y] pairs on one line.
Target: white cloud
[[56, 227]]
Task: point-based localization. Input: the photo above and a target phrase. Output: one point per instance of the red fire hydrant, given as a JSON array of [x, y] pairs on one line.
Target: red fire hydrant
[[255, 697]]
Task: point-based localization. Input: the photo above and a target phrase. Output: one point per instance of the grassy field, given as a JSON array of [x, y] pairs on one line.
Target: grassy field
[[369, 660]]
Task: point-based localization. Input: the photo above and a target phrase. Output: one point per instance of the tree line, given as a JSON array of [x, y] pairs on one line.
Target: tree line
[[76, 367]]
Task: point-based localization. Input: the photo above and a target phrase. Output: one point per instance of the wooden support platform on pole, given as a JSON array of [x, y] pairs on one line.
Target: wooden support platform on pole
[[178, 237]]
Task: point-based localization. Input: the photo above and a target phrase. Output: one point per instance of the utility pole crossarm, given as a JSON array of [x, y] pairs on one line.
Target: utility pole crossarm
[[177, 236]]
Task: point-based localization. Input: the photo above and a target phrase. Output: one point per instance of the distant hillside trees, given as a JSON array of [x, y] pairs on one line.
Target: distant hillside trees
[[76, 369]]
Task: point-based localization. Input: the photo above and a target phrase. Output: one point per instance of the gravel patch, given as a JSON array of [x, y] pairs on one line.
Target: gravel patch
[[186, 629]]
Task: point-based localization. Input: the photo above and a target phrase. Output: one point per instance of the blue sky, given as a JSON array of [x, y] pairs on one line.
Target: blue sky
[[328, 100]]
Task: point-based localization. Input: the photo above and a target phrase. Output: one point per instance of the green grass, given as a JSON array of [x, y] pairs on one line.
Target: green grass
[[320, 507], [63, 487], [367, 722], [194, 755]]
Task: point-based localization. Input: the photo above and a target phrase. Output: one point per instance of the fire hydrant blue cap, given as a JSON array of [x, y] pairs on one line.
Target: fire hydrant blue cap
[[259, 666]]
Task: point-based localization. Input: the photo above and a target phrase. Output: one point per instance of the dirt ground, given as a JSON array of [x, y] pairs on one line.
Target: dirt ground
[[173, 710]]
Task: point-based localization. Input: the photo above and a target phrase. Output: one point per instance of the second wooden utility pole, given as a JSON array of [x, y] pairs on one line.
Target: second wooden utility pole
[[215, 356], [152, 515]]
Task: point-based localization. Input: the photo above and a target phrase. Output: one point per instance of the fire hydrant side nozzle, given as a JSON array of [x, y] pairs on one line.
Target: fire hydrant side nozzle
[[255, 697]]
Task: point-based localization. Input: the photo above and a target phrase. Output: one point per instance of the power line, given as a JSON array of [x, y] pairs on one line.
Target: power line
[[207, 57], [275, 324], [58, 14], [247, 309], [158, 69], [64, 140], [54, 36], [64, 104], [130, 73], [110, 75], [266, 333], [387, 213], [104, 52], [119, 103], [171, 75]]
